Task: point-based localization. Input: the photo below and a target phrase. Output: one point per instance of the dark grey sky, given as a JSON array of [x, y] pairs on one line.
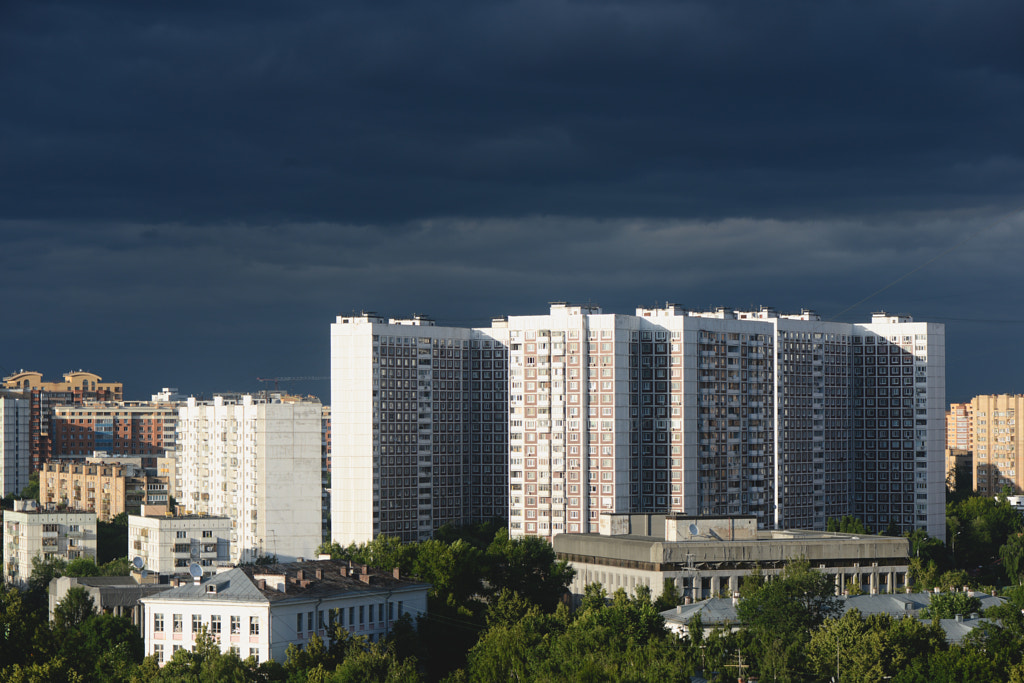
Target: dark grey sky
[[188, 196]]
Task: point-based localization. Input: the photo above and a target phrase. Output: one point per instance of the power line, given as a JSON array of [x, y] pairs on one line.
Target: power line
[[903, 277]]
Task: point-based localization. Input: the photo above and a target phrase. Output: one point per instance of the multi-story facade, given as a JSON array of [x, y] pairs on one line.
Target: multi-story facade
[[788, 418], [100, 485], [998, 445], [724, 413], [77, 387], [122, 428], [325, 472], [258, 462], [960, 426], [419, 426], [15, 444], [171, 544], [260, 611], [30, 531]]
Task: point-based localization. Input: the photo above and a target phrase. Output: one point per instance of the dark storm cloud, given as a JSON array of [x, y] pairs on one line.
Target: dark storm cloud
[[366, 112], [189, 195]]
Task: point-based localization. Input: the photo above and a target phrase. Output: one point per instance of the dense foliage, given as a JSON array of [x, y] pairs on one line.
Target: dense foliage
[[497, 612]]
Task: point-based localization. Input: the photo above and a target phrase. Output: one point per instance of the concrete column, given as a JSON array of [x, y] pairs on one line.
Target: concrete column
[[734, 584], [716, 585]]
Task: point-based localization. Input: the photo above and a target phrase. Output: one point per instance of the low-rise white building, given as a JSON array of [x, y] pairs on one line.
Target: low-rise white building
[[260, 610], [30, 531], [168, 545]]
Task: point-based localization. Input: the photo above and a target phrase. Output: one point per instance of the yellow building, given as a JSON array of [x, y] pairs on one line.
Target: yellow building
[[997, 444], [960, 426], [104, 488]]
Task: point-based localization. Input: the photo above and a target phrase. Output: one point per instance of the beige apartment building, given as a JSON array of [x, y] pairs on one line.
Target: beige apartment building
[[960, 426], [105, 488], [997, 445], [76, 388]]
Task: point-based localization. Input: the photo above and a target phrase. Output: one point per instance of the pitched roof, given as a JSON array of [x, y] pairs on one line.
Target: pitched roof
[[289, 581]]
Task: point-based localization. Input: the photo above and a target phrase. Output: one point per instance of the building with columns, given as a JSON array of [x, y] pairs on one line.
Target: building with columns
[[708, 557]]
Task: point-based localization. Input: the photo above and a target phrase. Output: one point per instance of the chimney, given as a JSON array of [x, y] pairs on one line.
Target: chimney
[[397, 573], [365, 578], [319, 574], [959, 618], [679, 609], [300, 575], [261, 584], [343, 570]]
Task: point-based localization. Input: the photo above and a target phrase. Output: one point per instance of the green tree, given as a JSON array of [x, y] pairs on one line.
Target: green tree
[[780, 616], [1012, 555], [977, 528], [82, 566], [111, 538], [76, 606], [948, 605], [120, 566], [669, 597], [527, 566], [871, 649], [18, 627], [31, 491]]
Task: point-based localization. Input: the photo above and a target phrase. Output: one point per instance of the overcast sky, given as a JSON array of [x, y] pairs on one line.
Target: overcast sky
[[189, 196]]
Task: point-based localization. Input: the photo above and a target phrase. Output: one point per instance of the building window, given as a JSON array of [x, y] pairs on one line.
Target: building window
[[298, 623], [207, 534], [254, 628], [158, 623], [197, 622], [236, 625], [215, 625], [176, 623], [158, 651], [254, 652], [180, 534]]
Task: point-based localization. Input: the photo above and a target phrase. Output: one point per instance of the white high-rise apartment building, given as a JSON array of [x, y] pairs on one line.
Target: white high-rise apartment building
[[256, 461], [785, 417], [419, 417], [15, 450], [788, 418]]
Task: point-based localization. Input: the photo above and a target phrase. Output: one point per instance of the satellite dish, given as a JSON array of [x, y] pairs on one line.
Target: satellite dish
[[195, 570], [694, 531], [194, 552], [138, 562]]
